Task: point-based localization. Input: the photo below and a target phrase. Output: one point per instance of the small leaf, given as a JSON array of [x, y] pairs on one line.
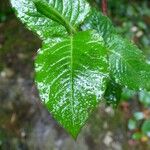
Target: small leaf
[[72, 11], [71, 76], [138, 115], [132, 124], [137, 136], [144, 97]]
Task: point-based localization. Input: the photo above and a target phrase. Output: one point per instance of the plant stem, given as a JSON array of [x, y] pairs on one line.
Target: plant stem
[[104, 7]]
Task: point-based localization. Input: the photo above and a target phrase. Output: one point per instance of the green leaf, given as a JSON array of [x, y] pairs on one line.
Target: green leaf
[[41, 16], [128, 65], [146, 128], [137, 136], [71, 76], [138, 115], [144, 97], [113, 93], [102, 24], [132, 124]]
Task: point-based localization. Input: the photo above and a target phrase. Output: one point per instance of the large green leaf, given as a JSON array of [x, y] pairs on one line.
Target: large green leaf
[[35, 14], [128, 66], [71, 77]]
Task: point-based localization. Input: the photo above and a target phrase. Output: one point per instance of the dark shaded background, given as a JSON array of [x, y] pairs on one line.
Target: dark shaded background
[[26, 125]]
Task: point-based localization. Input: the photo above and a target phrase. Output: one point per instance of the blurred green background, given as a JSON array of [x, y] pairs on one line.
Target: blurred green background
[[24, 122]]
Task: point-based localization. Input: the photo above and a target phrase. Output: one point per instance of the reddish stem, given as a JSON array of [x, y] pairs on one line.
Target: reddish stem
[[104, 7]]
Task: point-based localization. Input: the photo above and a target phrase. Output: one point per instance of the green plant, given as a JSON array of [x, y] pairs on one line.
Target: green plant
[[81, 60], [139, 125]]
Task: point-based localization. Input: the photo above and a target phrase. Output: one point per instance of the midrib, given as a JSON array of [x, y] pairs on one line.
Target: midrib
[[71, 78]]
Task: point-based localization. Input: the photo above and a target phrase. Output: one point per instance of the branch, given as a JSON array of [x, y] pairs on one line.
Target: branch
[[104, 7]]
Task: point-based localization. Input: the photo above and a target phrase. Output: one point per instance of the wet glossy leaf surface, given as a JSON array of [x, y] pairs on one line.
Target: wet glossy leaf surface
[[72, 78], [102, 24], [72, 11], [73, 68], [127, 63]]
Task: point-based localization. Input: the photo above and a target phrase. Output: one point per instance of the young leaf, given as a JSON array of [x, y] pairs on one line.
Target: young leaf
[[72, 78], [46, 17], [127, 63]]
